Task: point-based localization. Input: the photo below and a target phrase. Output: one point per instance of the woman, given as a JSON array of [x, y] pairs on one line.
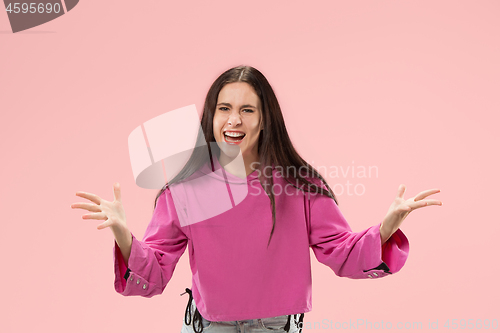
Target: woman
[[251, 187]]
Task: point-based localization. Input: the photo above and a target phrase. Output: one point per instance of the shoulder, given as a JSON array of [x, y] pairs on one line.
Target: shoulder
[[170, 196]]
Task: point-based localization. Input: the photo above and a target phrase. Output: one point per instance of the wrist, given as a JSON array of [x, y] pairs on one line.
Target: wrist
[[123, 236], [385, 233]]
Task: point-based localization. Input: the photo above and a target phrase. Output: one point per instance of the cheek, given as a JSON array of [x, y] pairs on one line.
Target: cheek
[[216, 127], [216, 134], [255, 137], [217, 131]]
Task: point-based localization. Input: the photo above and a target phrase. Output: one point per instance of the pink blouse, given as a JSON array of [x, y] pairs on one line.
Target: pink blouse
[[227, 221]]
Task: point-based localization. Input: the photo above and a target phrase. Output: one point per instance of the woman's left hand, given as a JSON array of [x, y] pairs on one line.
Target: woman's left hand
[[400, 208]]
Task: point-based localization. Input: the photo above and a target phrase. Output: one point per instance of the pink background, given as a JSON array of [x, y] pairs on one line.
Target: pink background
[[410, 87]]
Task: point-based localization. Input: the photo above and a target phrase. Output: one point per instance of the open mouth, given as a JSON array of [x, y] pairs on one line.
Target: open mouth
[[233, 137]]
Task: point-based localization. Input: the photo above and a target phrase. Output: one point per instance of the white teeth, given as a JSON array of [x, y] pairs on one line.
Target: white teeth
[[234, 135]]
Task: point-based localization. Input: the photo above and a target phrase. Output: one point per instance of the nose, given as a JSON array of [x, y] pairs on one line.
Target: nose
[[234, 119]]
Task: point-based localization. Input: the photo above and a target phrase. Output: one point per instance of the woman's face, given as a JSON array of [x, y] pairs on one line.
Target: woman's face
[[238, 111]]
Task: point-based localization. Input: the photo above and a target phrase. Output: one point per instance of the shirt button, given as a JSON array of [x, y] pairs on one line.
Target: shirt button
[[138, 281], [144, 286], [375, 274], [370, 276]]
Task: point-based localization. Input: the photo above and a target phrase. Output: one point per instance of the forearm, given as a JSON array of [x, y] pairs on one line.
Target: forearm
[[385, 234], [123, 238]]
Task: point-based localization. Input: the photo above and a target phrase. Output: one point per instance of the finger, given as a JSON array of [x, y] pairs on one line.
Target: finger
[[401, 191], [94, 216], [434, 202], [424, 203], [117, 192], [92, 197], [87, 206], [426, 193], [418, 204], [106, 224]]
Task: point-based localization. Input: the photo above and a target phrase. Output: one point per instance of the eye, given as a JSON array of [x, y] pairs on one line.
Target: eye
[[221, 108], [249, 110]]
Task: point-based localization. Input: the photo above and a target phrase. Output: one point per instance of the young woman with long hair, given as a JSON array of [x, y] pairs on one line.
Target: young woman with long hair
[[249, 207]]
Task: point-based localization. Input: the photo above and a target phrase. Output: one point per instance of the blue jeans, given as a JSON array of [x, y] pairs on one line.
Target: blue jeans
[[261, 325]]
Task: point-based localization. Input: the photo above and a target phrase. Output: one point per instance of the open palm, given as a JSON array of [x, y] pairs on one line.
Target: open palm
[[400, 208], [111, 212]]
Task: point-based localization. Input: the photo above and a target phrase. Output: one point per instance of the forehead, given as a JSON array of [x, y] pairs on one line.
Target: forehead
[[238, 92]]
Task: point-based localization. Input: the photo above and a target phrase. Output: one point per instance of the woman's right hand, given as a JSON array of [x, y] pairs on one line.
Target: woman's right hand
[[112, 213]]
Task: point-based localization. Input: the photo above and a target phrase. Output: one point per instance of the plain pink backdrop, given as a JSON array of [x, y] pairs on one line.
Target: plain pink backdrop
[[410, 87]]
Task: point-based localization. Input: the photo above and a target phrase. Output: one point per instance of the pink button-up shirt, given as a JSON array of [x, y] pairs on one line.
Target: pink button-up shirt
[[226, 221]]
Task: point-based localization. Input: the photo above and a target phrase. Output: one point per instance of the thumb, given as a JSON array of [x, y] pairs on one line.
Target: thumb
[[117, 192]]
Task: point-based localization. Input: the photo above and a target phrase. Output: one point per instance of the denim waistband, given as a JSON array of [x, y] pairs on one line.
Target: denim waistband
[[197, 319]]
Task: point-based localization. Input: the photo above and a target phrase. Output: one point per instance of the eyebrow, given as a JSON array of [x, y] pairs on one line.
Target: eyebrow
[[243, 106]]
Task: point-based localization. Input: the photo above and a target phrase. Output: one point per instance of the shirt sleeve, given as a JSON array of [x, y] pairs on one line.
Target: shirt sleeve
[[356, 255], [152, 261]]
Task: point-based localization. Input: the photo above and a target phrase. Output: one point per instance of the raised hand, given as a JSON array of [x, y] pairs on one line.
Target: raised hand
[[112, 213], [400, 208]]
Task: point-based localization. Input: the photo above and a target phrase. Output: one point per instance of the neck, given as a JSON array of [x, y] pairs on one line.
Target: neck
[[234, 169]]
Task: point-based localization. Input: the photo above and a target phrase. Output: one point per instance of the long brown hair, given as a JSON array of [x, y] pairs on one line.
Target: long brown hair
[[274, 145]]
